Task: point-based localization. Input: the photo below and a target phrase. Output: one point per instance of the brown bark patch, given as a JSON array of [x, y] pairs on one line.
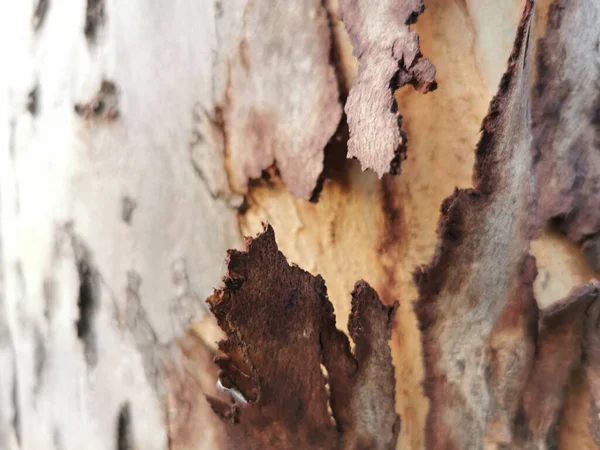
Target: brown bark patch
[[280, 329]]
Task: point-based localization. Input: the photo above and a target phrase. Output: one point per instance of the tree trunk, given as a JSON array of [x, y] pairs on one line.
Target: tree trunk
[[145, 139]]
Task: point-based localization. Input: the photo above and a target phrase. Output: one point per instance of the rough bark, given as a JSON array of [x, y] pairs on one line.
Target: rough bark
[[279, 92], [561, 337], [119, 189], [476, 307], [398, 215], [389, 57], [567, 123], [294, 381]]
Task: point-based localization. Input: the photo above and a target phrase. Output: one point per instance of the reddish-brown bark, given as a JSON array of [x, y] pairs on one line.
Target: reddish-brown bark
[[281, 331]]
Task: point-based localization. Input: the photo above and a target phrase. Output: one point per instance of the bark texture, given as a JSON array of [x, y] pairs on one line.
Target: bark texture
[[132, 131], [567, 123], [389, 57], [476, 307], [561, 336], [281, 337], [279, 92]]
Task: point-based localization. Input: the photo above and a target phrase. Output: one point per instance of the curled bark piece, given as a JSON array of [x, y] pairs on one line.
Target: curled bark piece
[[476, 307], [559, 351], [566, 111], [389, 58], [281, 332], [280, 100]]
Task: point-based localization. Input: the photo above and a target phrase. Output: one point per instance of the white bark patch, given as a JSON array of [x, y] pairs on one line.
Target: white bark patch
[[97, 205]]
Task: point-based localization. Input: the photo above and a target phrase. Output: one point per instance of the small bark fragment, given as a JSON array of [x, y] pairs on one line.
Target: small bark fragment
[[566, 111], [476, 307], [389, 58], [280, 329], [281, 100]]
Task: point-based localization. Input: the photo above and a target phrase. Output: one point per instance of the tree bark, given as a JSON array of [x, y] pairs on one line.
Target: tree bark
[[145, 139]]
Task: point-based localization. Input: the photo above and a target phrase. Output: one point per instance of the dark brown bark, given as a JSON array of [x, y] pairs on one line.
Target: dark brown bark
[[281, 332]]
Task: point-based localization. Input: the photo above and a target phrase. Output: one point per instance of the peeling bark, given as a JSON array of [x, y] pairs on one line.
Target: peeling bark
[[274, 314], [566, 108], [116, 208], [389, 57], [279, 91], [561, 332], [476, 307]]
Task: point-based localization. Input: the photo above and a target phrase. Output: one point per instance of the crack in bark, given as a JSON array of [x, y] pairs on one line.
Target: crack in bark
[[124, 429], [39, 14], [144, 335], [95, 18]]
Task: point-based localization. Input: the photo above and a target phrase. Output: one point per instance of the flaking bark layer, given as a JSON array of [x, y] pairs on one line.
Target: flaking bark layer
[[280, 92], [281, 332], [476, 307], [389, 57], [566, 111]]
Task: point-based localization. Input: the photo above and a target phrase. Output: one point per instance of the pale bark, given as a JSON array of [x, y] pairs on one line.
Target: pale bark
[[111, 239]]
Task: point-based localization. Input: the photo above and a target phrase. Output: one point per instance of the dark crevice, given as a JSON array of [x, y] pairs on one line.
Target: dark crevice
[[244, 207], [335, 156], [39, 14], [16, 421], [87, 305], [335, 59], [124, 428], [94, 19], [336, 150], [32, 100], [413, 16], [128, 205]]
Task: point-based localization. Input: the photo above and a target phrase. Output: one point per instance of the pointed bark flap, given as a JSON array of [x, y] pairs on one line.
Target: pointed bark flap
[[281, 333], [476, 307], [566, 111], [281, 95], [389, 58]]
